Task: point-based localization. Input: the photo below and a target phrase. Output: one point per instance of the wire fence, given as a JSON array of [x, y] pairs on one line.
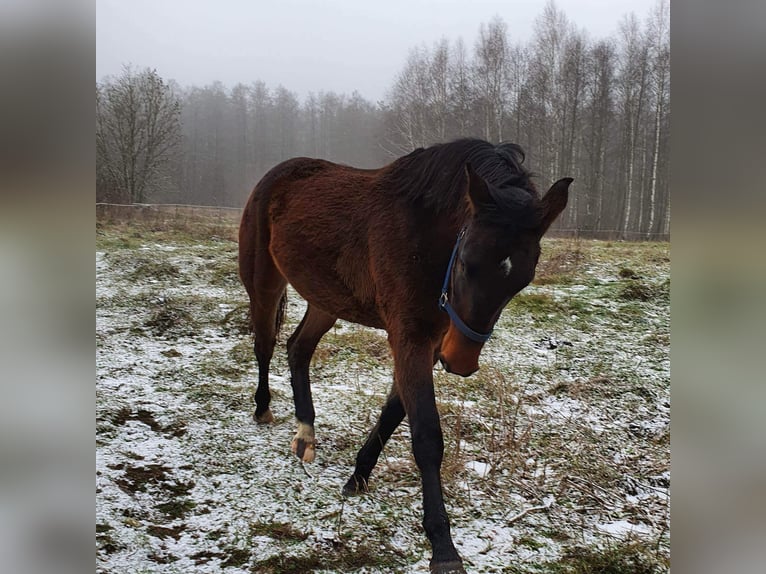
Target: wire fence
[[170, 213]]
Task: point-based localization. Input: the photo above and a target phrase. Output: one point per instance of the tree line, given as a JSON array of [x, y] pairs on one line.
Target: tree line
[[597, 110]]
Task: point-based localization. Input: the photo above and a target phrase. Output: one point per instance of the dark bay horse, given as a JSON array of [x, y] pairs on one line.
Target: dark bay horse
[[430, 248]]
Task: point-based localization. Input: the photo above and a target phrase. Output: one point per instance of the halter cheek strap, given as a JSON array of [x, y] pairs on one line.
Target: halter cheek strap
[[444, 303]]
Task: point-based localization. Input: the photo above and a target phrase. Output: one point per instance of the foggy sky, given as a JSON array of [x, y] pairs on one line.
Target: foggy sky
[[305, 45]]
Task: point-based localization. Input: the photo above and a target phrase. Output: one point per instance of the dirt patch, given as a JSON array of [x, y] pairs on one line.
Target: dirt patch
[[173, 532], [125, 414], [141, 478]]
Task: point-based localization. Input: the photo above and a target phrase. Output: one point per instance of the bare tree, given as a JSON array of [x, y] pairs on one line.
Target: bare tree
[[491, 69], [600, 112], [409, 104], [438, 75], [658, 29], [632, 86], [544, 88], [137, 132], [572, 83], [460, 89], [517, 75]]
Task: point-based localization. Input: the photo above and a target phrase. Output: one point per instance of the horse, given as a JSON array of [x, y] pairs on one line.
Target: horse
[[430, 247]]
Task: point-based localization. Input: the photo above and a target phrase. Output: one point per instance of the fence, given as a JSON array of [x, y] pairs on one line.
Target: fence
[[166, 213], [169, 213]]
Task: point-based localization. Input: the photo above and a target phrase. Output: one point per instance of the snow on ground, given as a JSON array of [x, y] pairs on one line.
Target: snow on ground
[[561, 440]]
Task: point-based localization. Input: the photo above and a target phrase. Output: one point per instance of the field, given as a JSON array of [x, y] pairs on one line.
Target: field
[[557, 450]]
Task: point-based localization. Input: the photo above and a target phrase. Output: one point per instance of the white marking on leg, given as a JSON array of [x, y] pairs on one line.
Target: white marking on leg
[[306, 434]]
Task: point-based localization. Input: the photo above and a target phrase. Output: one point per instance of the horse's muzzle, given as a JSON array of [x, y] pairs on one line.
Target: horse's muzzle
[[458, 354], [449, 369]]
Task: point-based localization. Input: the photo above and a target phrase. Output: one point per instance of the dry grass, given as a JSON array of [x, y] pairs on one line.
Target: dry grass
[[568, 406], [560, 261]]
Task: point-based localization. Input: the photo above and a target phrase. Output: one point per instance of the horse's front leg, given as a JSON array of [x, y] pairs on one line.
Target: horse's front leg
[[390, 416], [413, 366]]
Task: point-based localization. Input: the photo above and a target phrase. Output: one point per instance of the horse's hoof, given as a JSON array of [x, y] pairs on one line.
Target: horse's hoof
[[303, 449], [452, 567], [355, 486], [303, 444], [264, 418]]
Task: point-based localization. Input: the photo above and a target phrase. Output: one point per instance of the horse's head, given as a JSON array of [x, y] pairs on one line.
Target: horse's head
[[494, 260]]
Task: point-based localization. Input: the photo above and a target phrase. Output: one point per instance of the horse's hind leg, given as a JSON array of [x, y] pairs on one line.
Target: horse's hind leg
[[390, 416], [300, 348], [266, 306]]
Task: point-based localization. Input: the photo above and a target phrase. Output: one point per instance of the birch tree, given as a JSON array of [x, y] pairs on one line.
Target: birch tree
[[632, 85], [660, 62]]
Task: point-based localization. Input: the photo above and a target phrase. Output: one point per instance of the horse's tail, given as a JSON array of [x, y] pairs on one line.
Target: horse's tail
[[253, 242]]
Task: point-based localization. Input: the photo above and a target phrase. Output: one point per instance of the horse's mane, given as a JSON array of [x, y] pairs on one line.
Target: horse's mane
[[435, 176]]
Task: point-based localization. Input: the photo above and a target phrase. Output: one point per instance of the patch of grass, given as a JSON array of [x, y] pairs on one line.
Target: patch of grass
[[171, 353], [237, 321], [361, 345], [623, 558], [341, 557], [627, 273], [170, 318], [176, 508], [112, 237], [167, 228], [104, 540], [224, 271], [577, 306], [148, 269], [561, 261], [557, 535], [222, 367], [635, 290], [529, 542], [278, 531], [236, 557], [242, 353], [598, 386], [535, 303], [220, 397], [638, 290], [487, 382]]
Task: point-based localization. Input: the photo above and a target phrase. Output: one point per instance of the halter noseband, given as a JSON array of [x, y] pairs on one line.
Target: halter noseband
[[444, 303]]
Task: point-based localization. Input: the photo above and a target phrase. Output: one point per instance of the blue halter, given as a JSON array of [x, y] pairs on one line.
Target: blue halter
[[444, 303]]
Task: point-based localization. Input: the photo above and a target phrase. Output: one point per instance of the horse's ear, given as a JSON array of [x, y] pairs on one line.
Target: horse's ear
[[477, 187], [554, 202]]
